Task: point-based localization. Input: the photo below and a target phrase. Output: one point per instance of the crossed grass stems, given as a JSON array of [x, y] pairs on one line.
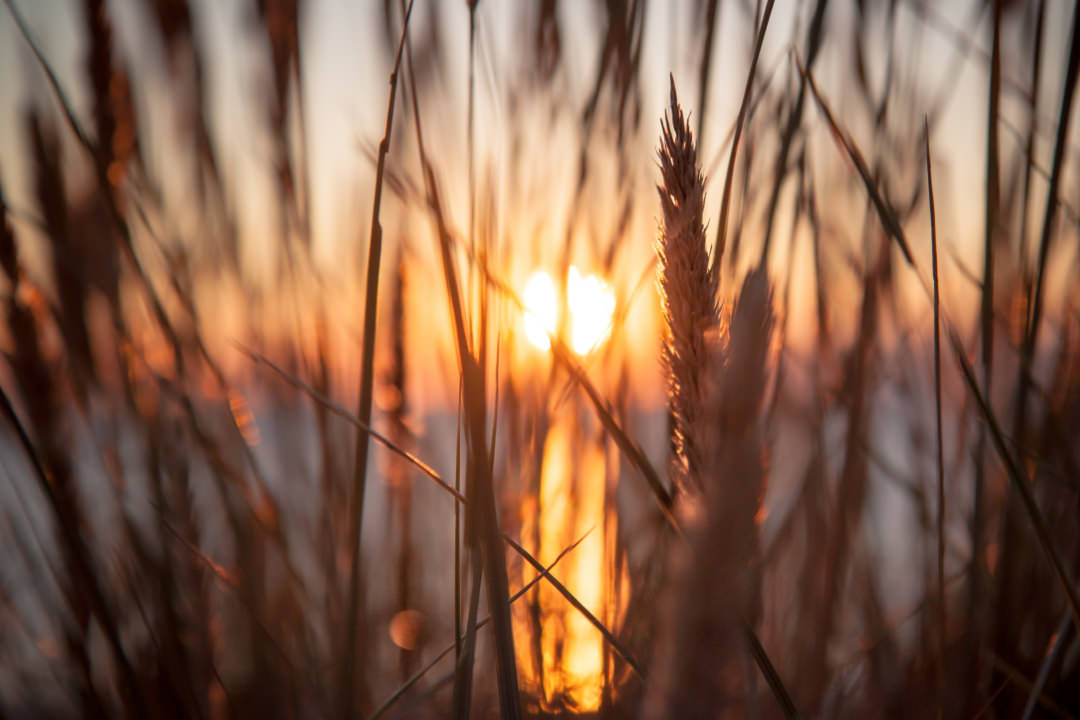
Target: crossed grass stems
[[473, 358]]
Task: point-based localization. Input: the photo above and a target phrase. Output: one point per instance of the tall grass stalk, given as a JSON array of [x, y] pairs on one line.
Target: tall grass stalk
[[346, 689], [942, 610]]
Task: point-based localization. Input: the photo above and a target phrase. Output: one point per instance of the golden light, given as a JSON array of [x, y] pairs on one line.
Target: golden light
[[590, 304], [541, 309], [568, 662]]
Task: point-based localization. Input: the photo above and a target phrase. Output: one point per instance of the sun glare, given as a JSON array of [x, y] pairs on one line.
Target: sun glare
[[589, 302], [541, 309], [592, 305]]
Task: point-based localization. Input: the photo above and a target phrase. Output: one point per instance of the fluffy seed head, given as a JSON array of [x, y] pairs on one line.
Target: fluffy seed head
[[688, 285]]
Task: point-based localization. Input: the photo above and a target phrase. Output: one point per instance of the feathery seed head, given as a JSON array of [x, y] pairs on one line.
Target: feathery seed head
[[688, 285]]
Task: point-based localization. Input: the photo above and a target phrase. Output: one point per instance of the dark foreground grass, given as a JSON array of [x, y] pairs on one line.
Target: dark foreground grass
[[837, 519]]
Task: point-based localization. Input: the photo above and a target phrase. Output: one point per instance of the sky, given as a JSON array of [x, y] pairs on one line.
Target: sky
[[345, 68]]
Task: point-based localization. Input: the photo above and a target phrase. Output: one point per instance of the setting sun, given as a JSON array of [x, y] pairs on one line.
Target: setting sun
[[589, 302], [591, 305]]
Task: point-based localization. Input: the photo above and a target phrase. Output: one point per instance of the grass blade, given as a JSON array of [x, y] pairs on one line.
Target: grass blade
[[1059, 637], [1019, 481], [884, 209], [937, 405], [481, 519], [814, 35], [744, 106], [367, 371], [772, 677]]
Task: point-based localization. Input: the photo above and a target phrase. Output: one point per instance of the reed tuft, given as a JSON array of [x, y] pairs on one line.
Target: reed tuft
[[688, 284]]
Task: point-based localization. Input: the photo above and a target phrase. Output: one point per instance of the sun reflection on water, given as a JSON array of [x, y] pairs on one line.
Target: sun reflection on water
[[571, 505]]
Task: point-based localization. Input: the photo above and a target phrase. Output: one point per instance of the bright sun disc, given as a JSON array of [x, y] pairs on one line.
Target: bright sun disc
[[589, 302]]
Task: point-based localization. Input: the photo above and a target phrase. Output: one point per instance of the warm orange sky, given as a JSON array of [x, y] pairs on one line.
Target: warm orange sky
[[345, 71]]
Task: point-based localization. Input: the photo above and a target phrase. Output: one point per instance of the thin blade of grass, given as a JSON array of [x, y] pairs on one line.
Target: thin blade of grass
[[347, 695], [993, 192], [463, 672], [814, 34], [942, 639], [711, 20], [1013, 675], [1027, 142], [457, 532], [772, 676], [1019, 481], [884, 210], [1059, 638], [986, 303], [481, 518], [348, 417], [725, 204]]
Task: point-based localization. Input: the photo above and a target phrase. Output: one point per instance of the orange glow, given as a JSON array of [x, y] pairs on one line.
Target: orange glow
[[541, 309], [405, 629], [571, 504], [590, 305]]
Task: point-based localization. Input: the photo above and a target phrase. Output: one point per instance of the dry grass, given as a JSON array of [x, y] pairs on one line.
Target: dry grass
[[236, 489], [688, 282]]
